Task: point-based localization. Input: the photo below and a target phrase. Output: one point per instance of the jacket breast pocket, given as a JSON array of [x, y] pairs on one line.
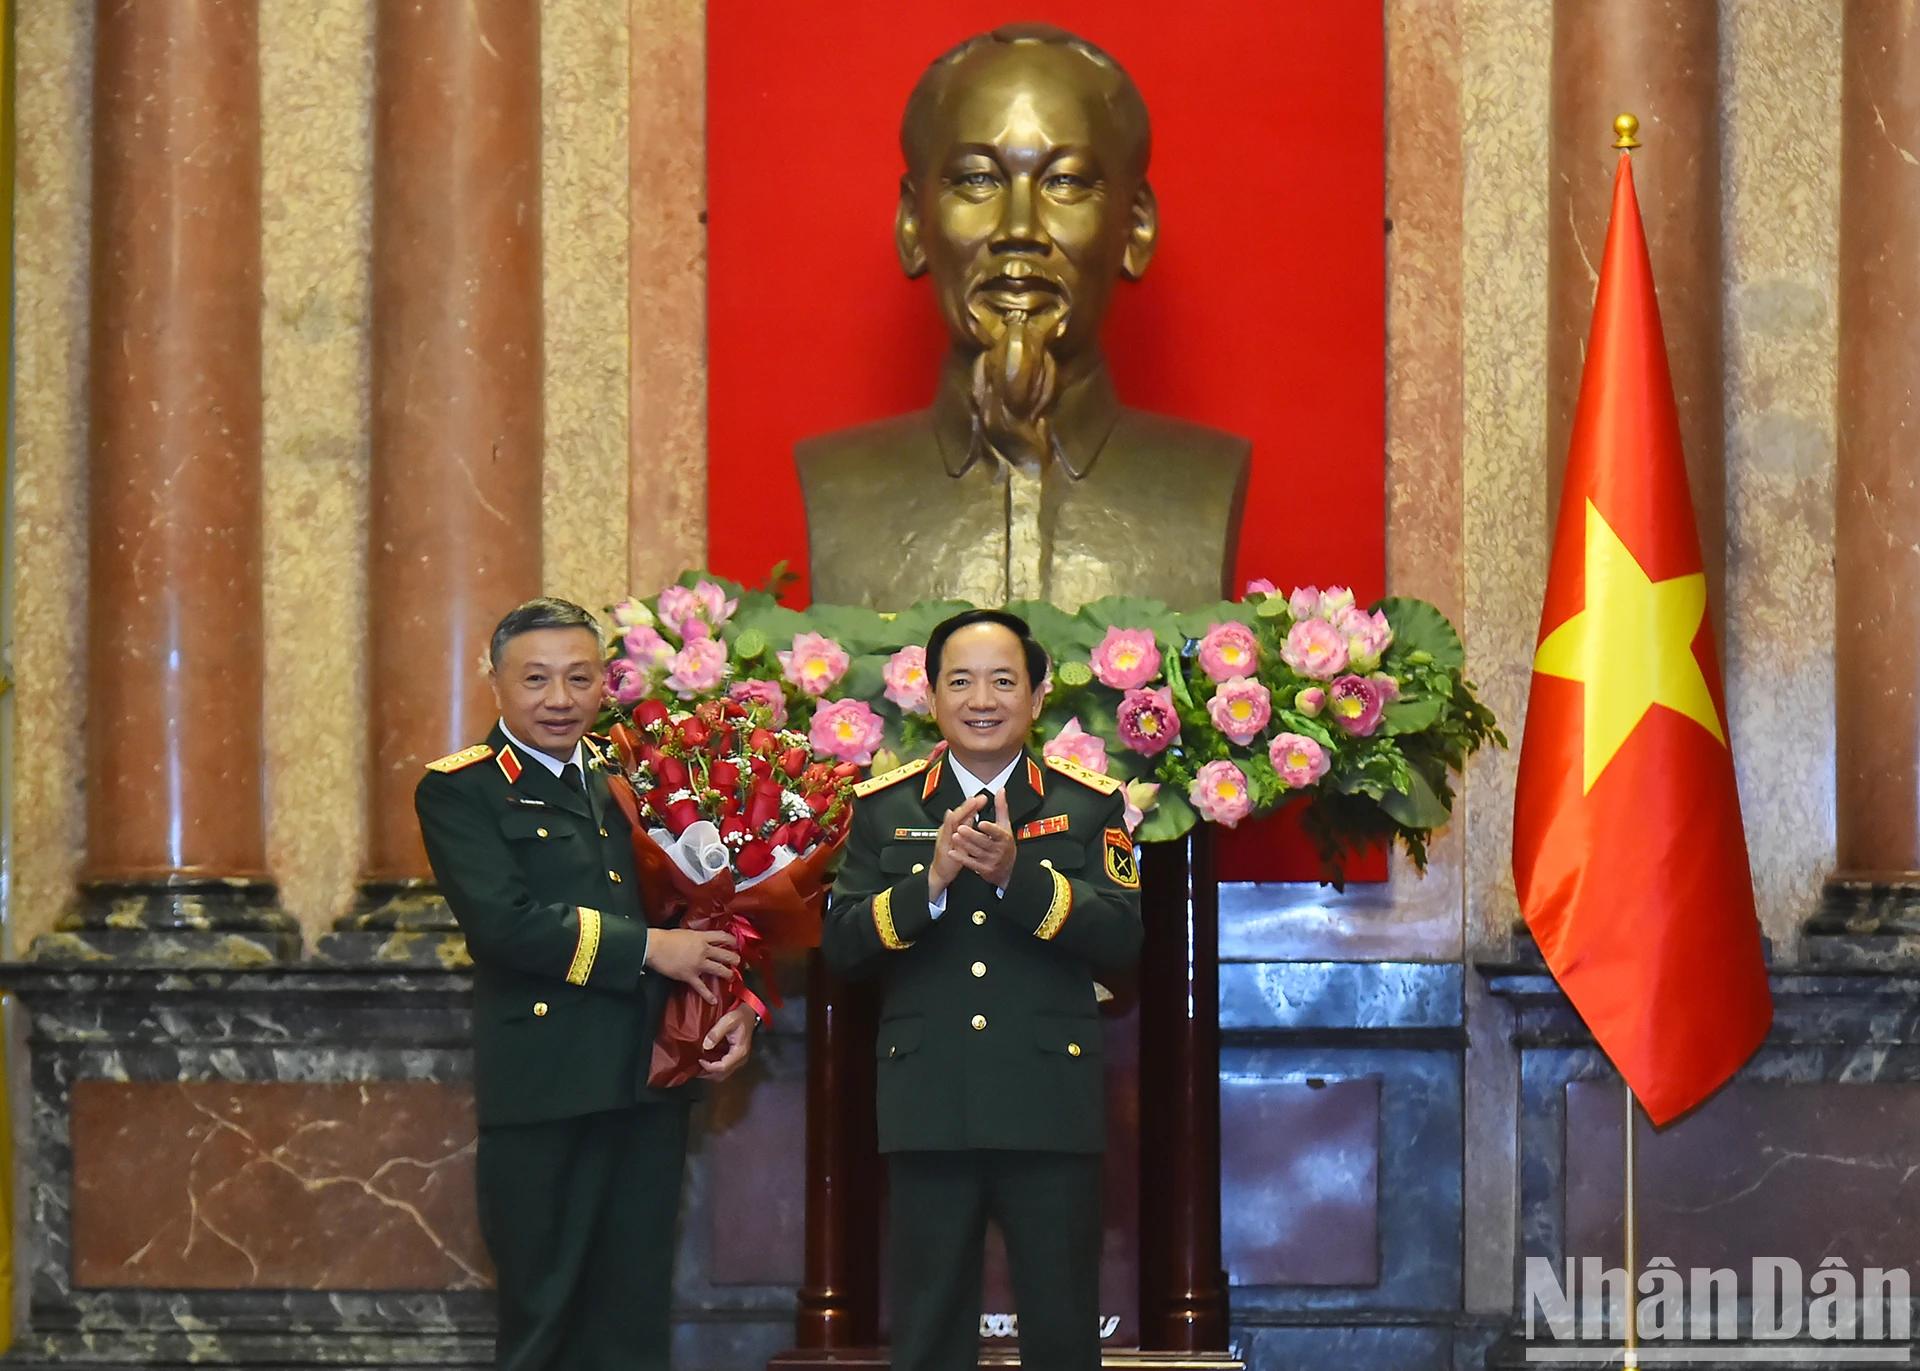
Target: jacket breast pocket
[[531, 825], [1060, 854], [899, 1037], [1068, 1035], [903, 859]]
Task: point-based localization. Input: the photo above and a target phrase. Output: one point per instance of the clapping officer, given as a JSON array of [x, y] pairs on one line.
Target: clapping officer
[[579, 1163], [985, 886]]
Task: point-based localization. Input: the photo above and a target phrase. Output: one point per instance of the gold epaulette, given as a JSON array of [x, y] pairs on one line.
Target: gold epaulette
[[465, 757], [1092, 780], [899, 773]]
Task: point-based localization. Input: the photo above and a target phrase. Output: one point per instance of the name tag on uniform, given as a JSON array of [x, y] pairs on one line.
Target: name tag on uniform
[[1040, 828], [915, 835]]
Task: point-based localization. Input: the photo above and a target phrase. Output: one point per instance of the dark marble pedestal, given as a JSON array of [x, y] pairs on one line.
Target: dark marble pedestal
[[268, 1168], [1811, 1155]]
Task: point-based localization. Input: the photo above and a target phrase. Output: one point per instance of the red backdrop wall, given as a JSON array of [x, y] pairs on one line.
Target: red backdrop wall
[[1263, 311]]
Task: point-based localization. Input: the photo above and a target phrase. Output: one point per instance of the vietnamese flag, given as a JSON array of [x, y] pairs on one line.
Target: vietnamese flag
[[1628, 852]]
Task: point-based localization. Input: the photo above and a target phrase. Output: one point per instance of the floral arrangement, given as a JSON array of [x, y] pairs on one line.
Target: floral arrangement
[[734, 825], [1222, 713]]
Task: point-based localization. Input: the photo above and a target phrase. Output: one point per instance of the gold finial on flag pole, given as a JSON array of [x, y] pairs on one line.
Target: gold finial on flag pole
[[1627, 127]]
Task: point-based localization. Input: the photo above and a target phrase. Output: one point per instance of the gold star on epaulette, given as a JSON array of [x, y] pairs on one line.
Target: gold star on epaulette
[[465, 757], [899, 773], [1092, 780]]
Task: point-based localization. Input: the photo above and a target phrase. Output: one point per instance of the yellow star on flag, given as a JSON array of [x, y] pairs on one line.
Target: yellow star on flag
[[1631, 647]]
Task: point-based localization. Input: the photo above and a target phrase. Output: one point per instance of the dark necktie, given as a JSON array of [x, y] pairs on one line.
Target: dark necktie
[[570, 774]]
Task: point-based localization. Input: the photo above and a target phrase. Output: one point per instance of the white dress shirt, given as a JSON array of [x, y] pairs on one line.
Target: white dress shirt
[[553, 764]]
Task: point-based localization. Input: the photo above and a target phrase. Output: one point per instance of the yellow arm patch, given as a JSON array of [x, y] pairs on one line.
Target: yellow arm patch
[[586, 947], [883, 923], [1121, 867], [1092, 780], [1058, 911], [465, 757]]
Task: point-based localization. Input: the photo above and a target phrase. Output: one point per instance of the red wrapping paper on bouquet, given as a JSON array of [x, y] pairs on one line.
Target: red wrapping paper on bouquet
[[779, 913]]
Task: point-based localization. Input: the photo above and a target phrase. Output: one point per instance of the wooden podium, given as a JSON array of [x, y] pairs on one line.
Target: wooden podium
[[1182, 1288]]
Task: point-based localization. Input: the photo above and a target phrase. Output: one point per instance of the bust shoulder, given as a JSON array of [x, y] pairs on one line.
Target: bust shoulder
[[856, 451]]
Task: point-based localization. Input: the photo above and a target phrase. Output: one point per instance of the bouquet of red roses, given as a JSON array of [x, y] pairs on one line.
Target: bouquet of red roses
[[733, 828]]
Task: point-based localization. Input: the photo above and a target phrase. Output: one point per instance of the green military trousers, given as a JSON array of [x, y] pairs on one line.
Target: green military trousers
[[1048, 1208], [578, 1215]]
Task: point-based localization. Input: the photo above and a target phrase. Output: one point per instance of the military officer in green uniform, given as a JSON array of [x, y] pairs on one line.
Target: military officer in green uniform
[[985, 887], [579, 1162]]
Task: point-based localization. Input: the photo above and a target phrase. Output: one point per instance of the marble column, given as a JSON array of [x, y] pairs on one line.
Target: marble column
[[454, 540], [1877, 505], [1658, 59], [176, 837]]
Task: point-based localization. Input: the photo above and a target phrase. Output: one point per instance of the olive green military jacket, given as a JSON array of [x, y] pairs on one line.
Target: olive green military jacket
[[990, 1033], [541, 880]]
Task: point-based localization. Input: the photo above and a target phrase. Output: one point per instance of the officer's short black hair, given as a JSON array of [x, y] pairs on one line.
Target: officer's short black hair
[[937, 642], [545, 612]]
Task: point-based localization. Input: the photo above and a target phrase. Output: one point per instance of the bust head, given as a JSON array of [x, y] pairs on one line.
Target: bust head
[[1025, 196]]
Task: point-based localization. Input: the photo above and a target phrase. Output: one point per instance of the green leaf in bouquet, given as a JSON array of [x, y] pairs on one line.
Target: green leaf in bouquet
[[1273, 607], [1419, 806], [1412, 714], [1171, 817], [1176, 669], [777, 624], [1290, 721], [1194, 623], [856, 629], [865, 679], [912, 627], [1064, 635], [1419, 627]]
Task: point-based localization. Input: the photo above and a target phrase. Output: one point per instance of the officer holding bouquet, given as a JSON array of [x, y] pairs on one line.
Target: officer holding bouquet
[[579, 1162], [985, 887]]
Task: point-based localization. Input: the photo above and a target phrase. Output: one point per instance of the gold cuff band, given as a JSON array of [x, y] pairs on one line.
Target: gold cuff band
[[1057, 911], [586, 948], [883, 922]]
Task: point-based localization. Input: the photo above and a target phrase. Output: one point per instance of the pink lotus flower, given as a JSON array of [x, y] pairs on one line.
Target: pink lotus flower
[[1240, 709], [1298, 759], [1304, 603], [816, 663], [1229, 650], [1355, 703], [1315, 648], [1126, 658], [1368, 636], [847, 729], [1075, 744], [1389, 687], [647, 648], [629, 613], [1311, 701], [698, 666], [626, 682], [1148, 723], [1259, 586], [705, 603], [1335, 600], [1220, 794], [906, 678], [1139, 797], [766, 694]]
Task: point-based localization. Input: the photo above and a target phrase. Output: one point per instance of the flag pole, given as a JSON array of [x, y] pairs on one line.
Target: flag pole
[[1626, 129]]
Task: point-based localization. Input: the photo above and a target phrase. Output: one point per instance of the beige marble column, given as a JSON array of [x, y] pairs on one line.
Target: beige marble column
[[176, 840], [1877, 503], [667, 479], [455, 512], [1658, 59]]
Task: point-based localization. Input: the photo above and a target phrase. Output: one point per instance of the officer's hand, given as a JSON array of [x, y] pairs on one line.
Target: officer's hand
[[684, 954], [735, 1029], [946, 856], [989, 849]]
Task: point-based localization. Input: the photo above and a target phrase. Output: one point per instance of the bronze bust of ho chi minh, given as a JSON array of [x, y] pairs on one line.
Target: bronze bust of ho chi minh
[[1025, 199]]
